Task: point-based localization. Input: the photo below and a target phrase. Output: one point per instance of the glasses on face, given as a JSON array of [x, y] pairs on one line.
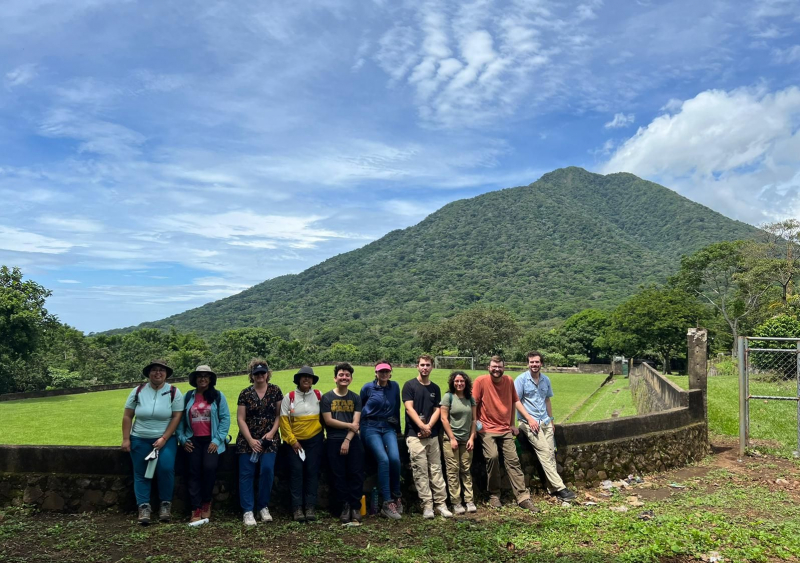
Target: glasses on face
[[203, 377], [158, 370]]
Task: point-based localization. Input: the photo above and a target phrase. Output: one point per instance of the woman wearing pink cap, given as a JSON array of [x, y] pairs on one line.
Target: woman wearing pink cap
[[380, 427]]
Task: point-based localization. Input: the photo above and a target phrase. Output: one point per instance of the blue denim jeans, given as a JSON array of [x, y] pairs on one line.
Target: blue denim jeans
[[247, 471], [165, 469], [381, 440]]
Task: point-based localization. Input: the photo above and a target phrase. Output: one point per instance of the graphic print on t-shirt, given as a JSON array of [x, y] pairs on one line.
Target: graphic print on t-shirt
[[200, 416]]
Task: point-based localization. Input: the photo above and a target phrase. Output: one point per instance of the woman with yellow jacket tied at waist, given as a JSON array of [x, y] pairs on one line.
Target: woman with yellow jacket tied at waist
[[301, 429]]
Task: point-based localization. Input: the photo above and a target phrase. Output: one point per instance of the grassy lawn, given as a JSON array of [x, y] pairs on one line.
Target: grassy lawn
[[614, 398], [773, 424], [94, 419], [727, 509]]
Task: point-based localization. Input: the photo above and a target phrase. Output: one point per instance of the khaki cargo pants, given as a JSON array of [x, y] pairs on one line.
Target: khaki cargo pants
[[544, 444], [426, 466], [490, 443], [458, 463]]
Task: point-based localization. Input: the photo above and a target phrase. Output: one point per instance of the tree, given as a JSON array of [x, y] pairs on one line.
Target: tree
[[781, 253], [655, 319], [781, 326], [23, 323], [582, 329], [721, 275], [481, 331]]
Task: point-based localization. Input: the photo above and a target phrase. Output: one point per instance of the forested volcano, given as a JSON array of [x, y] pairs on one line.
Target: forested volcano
[[569, 241]]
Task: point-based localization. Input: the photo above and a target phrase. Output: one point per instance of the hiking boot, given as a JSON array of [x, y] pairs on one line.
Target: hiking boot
[[196, 516], [144, 514], [165, 512], [344, 517], [428, 513], [265, 515], [389, 510], [311, 514], [298, 515], [398, 503], [471, 507], [249, 519], [355, 516], [205, 510], [494, 502], [565, 495], [442, 510], [528, 505], [458, 508]]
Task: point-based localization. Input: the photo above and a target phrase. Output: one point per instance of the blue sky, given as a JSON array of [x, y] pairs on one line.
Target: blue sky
[[155, 156]]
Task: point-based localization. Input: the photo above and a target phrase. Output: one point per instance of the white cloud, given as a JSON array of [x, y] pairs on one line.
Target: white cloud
[[23, 241], [68, 281], [787, 56], [21, 75], [737, 151], [620, 120], [73, 225]]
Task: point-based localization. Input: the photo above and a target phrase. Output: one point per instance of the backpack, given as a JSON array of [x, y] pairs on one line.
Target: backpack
[[291, 400], [172, 391]]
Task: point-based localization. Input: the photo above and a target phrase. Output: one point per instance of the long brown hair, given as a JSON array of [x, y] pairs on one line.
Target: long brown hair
[[467, 381]]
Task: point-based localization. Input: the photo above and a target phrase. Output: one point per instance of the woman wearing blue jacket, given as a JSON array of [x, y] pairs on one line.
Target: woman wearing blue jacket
[[380, 427], [203, 432]]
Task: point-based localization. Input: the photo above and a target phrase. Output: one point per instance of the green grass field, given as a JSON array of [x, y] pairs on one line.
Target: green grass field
[[772, 423], [95, 419], [613, 398]]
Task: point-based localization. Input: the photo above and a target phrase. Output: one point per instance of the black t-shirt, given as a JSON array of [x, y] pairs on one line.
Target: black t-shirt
[[341, 409], [426, 400]]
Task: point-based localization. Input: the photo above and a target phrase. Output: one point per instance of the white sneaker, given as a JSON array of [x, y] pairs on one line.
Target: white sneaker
[[442, 509], [428, 513], [249, 520], [471, 507], [265, 515], [458, 508]]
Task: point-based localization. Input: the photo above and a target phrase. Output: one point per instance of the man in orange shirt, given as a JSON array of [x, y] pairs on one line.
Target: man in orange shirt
[[496, 401]]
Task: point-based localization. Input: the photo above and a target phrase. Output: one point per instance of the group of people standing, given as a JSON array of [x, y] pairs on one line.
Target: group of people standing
[[158, 419]]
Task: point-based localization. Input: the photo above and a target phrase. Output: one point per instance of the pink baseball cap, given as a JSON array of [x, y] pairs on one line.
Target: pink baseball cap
[[383, 367]]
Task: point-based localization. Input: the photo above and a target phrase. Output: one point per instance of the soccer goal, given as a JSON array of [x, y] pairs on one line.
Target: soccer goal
[[454, 362]]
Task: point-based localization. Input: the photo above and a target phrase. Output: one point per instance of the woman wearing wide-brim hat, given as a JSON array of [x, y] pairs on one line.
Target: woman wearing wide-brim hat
[[302, 430], [152, 414], [203, 432]]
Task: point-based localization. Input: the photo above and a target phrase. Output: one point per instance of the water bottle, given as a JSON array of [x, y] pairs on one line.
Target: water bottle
[[255, 456], [478, 426]]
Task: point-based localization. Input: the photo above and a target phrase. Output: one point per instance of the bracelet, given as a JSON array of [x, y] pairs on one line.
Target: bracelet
[[347, 439]]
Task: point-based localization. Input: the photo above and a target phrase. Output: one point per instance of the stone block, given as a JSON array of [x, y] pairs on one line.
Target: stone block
[[32, 495], [53, 502]]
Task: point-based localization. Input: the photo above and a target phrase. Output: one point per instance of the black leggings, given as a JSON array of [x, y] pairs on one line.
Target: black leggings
[[202, 471]]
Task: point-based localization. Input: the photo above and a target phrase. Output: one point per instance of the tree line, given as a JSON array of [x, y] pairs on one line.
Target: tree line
[[731, 288]]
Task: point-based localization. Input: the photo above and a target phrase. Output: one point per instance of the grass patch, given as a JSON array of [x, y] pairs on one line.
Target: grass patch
[[614, 398], [95, 419], [774, 423]]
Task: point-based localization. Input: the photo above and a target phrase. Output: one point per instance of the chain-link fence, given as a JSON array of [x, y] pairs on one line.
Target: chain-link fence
[[769, 370]]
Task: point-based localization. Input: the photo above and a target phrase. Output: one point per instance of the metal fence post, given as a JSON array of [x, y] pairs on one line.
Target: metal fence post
[[742, 397], [797, 451]]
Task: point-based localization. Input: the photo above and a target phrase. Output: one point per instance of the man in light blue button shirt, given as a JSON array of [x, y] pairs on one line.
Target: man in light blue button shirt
[[534, 391]]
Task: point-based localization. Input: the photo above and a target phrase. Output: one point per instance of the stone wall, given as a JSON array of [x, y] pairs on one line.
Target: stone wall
[[652, 392]]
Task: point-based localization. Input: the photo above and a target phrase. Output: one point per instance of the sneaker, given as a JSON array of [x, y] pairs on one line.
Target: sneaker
[[265, 515], [471, 507], [398, 503], [249, 519], [144, 514], [344, 517], [389, 510], [528, 505], [565, 495], [298, 515], [205, 510], [428, 513], [494, 502], [442, 510], [458, 508], [355, 516], [165, 512], [196, 516], [311, 514]]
